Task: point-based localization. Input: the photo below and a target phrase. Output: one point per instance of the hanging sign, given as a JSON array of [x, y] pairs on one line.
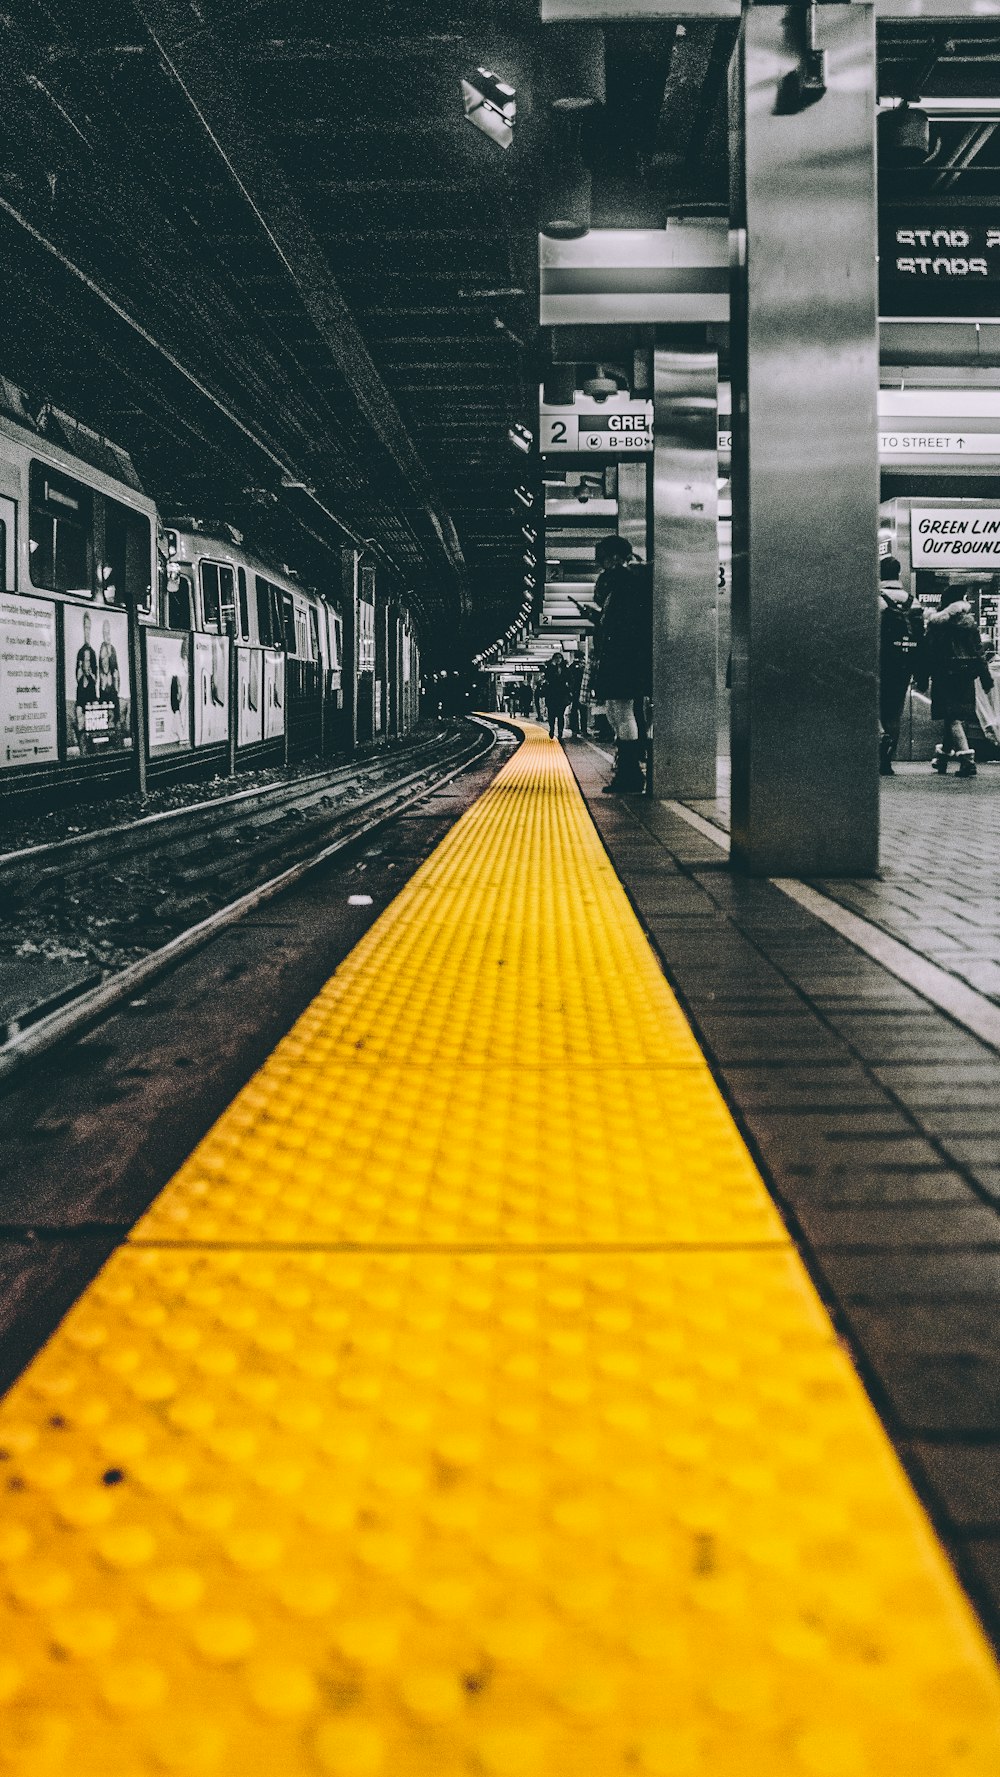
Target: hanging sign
[[955, 537], [939, 444], [934, 260]]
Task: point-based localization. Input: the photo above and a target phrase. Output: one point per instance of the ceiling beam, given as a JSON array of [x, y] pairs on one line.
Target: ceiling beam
[[209, 79]]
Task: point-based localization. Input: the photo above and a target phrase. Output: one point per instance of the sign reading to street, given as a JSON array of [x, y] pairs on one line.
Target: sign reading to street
[[939, 444], [953, 537]]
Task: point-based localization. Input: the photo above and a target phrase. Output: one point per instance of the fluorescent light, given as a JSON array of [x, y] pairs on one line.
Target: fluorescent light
[[491, 105]]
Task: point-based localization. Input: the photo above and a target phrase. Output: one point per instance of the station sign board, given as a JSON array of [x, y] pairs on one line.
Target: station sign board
[[948, 537], [938, 444], [935, 260], [611, 430]]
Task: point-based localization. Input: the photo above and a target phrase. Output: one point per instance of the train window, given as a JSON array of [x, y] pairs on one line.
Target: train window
[[218, 606], [178, 606], [60, 532], [302, 633], [124, 572], [244, 605], [314, 648], [265, 629], [288, 622]]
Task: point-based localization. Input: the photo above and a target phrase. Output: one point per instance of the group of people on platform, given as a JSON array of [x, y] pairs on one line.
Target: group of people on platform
[[941, 649]]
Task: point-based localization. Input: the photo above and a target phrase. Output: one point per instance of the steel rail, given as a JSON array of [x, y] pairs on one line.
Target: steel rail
[[76, 1014]]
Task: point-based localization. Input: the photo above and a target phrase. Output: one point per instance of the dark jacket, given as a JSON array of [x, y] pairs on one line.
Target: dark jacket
[[555, 684], [624, 666], [953, 661]]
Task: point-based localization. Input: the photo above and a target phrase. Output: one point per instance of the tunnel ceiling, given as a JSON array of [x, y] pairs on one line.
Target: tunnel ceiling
[[256, 242]]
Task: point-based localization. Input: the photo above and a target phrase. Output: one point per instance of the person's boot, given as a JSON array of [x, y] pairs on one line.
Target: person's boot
[[939, 762], [627, 779], [885, 752], [966, 763], [630, 774]]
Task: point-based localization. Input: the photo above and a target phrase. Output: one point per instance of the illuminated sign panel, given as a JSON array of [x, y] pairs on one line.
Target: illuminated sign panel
[[938, 261], [946, 537]]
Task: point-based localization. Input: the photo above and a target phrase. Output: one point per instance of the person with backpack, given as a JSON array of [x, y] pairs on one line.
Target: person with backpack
[[952, 662], [901, 637]]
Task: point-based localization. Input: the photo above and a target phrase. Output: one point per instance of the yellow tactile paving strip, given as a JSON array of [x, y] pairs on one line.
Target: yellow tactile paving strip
[[561, 1473]]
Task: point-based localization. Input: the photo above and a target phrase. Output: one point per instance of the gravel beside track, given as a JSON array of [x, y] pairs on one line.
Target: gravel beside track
[[81, 909]]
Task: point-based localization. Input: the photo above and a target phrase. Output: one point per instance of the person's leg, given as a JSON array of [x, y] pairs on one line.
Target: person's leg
[[628, 767]]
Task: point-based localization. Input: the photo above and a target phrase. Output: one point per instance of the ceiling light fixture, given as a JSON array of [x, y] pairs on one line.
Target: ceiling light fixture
[[491, 105]]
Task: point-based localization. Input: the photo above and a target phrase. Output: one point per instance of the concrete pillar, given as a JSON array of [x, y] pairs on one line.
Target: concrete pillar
[[685, 570], [805, 785]]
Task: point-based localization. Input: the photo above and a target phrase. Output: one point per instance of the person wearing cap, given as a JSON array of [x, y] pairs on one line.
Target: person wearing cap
[[624, 664]]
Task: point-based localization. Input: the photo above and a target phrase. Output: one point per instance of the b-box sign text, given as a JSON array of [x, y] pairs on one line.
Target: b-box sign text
[[948, 537]]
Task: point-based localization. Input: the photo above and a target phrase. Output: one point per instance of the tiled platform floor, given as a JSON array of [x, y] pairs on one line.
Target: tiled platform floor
[[940, 885], [875, 1115]]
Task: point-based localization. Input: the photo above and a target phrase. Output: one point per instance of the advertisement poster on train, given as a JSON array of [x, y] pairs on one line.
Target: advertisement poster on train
[[28, 681], [250, 718], [168, 700], [274, 694], [97, 680], [211, 689]]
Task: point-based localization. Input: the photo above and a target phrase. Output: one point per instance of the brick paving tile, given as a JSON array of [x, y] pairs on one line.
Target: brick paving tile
[[870, 1112]]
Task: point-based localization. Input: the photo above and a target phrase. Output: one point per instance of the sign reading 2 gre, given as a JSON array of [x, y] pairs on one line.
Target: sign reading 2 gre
[[953, 537], [612, 430]]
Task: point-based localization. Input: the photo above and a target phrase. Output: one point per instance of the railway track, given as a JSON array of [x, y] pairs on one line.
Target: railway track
[[166, 883]]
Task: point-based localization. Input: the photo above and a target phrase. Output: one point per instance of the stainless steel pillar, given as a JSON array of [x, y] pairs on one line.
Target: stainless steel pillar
[[805, 468], [685, 570], [632, 505]]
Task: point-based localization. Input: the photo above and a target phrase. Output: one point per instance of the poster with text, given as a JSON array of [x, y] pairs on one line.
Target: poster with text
[[211, 690], [274, 694], [168, 681], [28, 681], [97, 680], [250, 715]]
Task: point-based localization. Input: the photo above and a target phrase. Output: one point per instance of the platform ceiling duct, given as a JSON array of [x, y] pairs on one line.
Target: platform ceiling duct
[[575, 59]]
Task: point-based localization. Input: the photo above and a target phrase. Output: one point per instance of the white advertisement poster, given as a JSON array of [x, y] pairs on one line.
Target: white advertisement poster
[[274, 693], [29, 719], [250, 715], [168, 680], [211, 689], [97, 680], [955, 537]]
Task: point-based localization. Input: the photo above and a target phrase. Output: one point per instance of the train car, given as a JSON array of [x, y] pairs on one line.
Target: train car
[[241, 645], [77, 570], [131, 651]]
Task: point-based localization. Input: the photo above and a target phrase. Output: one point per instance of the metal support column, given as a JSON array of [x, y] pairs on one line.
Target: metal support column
[[685, 570], [805, 467]]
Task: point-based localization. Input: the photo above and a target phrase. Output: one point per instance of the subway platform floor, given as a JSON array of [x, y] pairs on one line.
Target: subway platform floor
[[465, 1406], [854, 1029]]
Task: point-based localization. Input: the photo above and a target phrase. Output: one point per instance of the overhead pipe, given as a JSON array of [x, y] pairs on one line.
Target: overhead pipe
[[574, 115]]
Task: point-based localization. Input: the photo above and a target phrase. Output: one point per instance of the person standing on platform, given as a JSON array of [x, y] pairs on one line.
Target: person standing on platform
[[953, 660], [577, 719], [623, 674], [901, 635], [555, 682]]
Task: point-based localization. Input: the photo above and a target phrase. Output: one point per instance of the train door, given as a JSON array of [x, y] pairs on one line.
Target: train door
[[8, 545]]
